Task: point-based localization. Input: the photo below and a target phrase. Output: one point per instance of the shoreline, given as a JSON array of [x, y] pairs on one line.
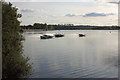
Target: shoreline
[[31, 30]]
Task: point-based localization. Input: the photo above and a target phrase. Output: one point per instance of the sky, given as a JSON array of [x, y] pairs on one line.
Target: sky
[[77, 12]]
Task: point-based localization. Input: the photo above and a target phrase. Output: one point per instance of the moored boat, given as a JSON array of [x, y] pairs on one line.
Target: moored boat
[[81, 35], [59, 35], [46, 37]]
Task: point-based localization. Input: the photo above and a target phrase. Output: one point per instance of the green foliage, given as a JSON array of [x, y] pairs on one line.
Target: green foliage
[[14, 64], [51, 27], [39, 26], [46, 27], [69, 27]]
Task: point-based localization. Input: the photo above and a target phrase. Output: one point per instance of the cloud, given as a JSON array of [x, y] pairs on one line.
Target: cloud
[[21, 0], [97, 14], [107, 1], [114, 2], [70, 15], [110, 14], [93, 14], [48, 0], [27, 10]]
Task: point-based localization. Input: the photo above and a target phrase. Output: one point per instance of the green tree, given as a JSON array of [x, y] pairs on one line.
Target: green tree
[[51, 27], [46, 27], [14, 63], [36, 25]]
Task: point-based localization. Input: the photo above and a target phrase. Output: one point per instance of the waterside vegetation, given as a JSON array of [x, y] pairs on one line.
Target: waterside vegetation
[[46, 27], [14, 63]]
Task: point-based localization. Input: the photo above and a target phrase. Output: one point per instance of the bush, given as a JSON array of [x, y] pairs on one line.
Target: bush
[[14, 64]]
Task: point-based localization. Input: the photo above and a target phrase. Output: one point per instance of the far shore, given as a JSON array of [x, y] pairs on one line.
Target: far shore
[[32, 30]]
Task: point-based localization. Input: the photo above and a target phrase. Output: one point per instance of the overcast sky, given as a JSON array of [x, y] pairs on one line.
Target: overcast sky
[[79, 12]]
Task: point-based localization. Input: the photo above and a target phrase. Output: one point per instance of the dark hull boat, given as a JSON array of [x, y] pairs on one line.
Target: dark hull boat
[[81, 35], [59, 35], [46, 37]]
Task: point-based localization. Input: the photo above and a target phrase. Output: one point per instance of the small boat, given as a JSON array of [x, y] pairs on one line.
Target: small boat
[[46, 37], [59, 35], [81, 35]]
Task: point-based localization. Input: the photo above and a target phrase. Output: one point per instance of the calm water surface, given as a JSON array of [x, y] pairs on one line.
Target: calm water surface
[[93, 56]]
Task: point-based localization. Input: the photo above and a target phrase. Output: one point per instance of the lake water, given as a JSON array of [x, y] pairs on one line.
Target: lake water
[[92, 56]]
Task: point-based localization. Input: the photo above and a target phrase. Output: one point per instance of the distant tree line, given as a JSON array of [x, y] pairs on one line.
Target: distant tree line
[[68, 27], [39, 26]]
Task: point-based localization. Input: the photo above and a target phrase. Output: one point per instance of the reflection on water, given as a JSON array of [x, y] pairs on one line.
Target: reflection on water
[[92, 56]]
